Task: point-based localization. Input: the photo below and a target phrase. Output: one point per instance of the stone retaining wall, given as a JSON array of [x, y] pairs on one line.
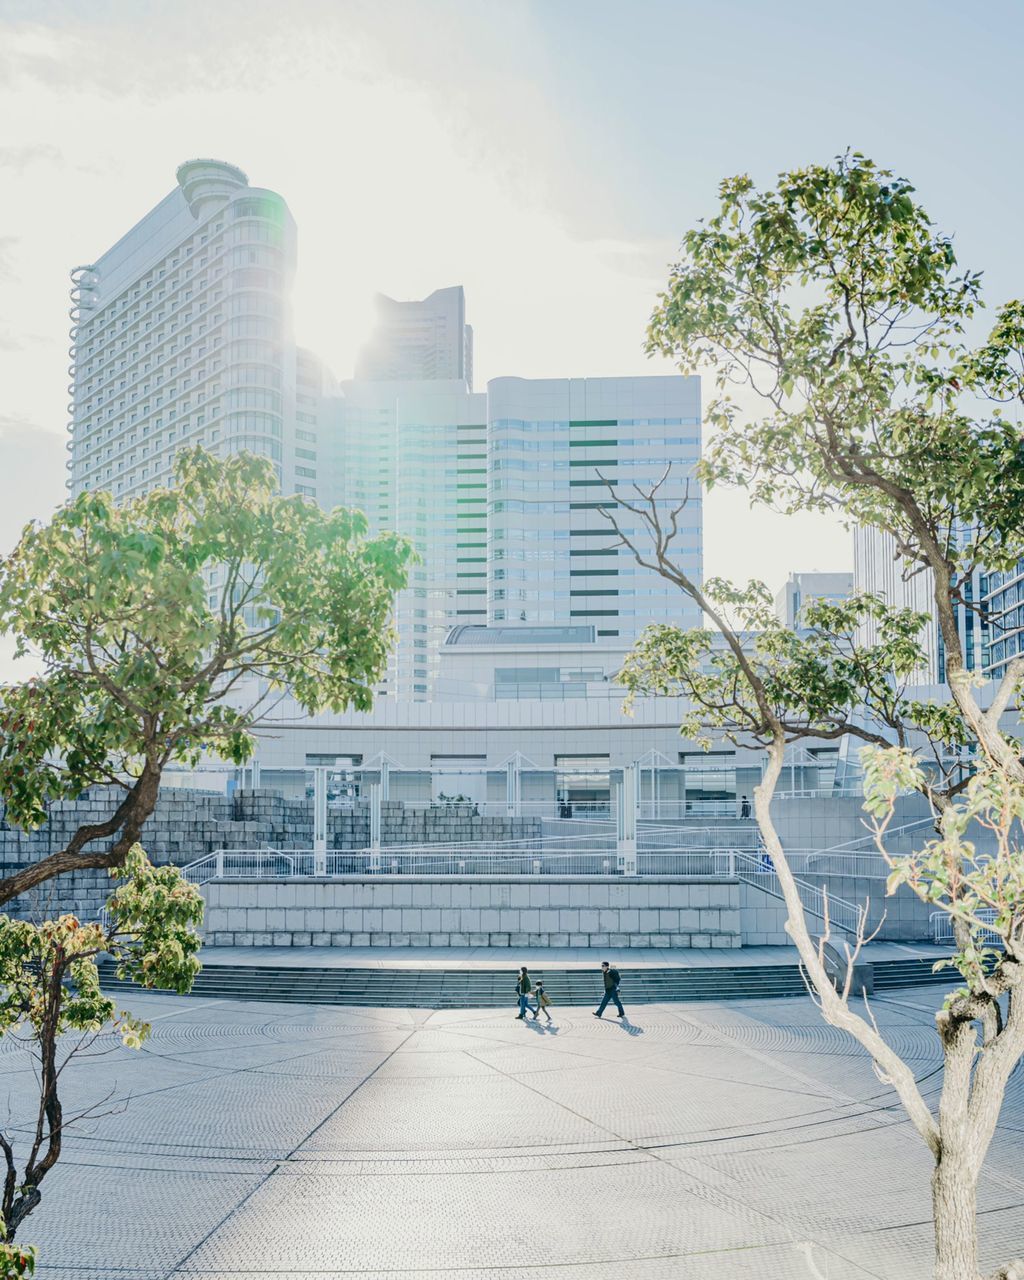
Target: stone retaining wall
[[189, 824], [452, 911]]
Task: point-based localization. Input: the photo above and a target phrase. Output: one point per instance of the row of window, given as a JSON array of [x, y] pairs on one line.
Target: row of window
[[563, 424]]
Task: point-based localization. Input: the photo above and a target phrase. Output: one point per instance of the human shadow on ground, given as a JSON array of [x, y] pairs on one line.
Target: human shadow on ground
[[624, 1024], [630, 1028], [544, 1027]]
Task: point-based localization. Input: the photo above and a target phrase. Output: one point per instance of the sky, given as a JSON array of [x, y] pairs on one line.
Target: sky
[[546, 154]]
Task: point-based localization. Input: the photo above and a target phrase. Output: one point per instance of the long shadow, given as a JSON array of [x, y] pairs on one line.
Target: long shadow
[[624, 1024], [629, 1028], [542, 1028]]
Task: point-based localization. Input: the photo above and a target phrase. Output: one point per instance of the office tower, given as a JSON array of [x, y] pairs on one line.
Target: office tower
[[413, 457], [552, 556], [182, 335], [1004, 613], [879, 570], [419, 340], [803, 588], [501, 495], [315, 391]]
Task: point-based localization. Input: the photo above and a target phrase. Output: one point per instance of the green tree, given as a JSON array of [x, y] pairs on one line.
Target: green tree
[[50, 997], [164, 625], [835, 306]]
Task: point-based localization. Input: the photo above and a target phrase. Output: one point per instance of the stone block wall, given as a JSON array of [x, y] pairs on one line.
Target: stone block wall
[[452, 911], [907, 918], [189, 824]]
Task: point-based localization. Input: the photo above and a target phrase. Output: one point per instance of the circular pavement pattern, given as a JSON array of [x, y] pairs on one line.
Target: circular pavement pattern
[[697, 1141]]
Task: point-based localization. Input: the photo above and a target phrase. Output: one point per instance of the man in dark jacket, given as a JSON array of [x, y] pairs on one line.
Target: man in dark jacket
[[611, 990], [523, 988]]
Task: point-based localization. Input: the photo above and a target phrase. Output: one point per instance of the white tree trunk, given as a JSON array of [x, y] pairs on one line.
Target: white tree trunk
[[954, 1203]]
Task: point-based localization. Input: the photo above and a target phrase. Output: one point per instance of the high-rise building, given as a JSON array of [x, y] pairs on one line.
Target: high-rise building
[[552, 444], [1004, 613], [879, 570], [802, 588], [419, 340], [502, 497], [413, 457], [182, 335], [315, 391]]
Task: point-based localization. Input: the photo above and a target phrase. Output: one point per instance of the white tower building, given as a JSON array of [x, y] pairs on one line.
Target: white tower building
[[419, 340], [552, 555], [182, 335], [879, 570], [801, 589]]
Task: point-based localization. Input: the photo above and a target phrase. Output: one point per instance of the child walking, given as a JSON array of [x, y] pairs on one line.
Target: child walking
[[543, 1000]]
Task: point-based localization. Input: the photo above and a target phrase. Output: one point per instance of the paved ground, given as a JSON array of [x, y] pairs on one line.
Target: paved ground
[[695, 1141], [539, 958]]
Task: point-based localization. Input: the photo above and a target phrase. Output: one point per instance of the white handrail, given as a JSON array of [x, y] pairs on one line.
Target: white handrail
[[890, 834], [759, 870], [290, 864], [942, 926]]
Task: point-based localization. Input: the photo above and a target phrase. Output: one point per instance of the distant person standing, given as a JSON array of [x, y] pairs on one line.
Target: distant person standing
[[611, 990], [523, 988], [744, 808]]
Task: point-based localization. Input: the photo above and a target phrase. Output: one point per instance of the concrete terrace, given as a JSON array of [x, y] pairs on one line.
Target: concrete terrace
[[539, 958]]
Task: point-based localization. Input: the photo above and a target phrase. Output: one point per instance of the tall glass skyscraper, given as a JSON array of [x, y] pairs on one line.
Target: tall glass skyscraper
[[1004, 612]]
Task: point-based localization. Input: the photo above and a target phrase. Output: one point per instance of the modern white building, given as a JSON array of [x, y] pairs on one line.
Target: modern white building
[[878, 569], [553, 444], [419, 340], [181, 335], [501, 494], [315, 391], [801, 589]]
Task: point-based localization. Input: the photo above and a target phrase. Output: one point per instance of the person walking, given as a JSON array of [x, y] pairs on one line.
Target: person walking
[[744, 808], [611, 990], [523, 988], [543, 1000]]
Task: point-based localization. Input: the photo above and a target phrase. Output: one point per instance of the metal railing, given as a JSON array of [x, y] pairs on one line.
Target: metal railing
[[893, 833], [942, 927], [759, 870], [860, 866], [452, 860]]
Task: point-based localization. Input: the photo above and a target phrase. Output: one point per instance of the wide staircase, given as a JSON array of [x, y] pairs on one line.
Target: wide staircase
[[438, 988]]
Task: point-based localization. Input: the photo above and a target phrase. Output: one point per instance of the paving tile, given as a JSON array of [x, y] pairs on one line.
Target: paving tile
[[746, 1140]]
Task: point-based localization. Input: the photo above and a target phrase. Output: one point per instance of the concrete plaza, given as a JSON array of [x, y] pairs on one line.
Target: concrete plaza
[[733, 1140]]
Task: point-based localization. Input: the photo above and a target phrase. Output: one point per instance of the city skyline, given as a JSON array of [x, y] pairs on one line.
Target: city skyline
[[470, 156], [182, 336]]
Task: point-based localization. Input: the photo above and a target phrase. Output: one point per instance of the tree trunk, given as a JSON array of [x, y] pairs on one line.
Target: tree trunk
[[954, 1203], [23, 1206]]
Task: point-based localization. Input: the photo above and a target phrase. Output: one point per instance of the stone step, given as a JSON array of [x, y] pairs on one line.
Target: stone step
[[492, 988], [911, 973], [482, 988]]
